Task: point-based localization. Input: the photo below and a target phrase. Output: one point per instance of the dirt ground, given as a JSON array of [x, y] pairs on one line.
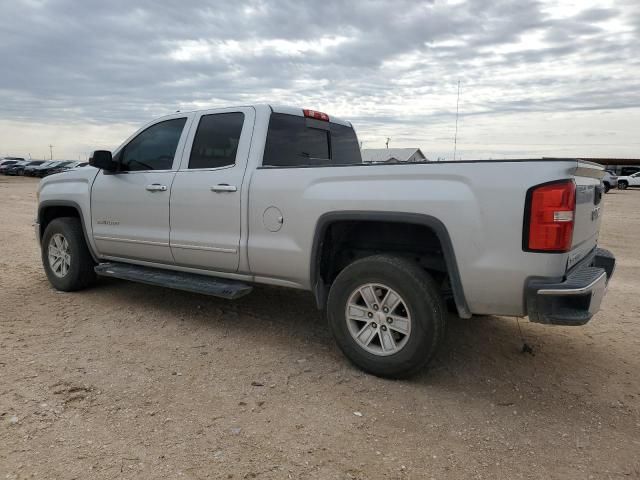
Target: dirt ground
[[131, 381]]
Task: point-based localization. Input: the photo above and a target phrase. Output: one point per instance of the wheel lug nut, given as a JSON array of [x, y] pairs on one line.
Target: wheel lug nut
[[374, 325], [385, 310], [370, 314], [375, 307], [383, 328], [389, 320]]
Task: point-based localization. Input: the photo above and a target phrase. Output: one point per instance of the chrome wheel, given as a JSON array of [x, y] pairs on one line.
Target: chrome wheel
[[378, 319], [59, 255]]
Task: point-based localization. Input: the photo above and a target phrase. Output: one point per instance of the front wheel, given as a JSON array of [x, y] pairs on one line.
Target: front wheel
[[386, 315], [623, 185], [607, 187], [65, 255]]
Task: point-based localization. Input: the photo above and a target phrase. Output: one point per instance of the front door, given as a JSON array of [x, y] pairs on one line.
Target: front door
[[206, 193], [130, 207]]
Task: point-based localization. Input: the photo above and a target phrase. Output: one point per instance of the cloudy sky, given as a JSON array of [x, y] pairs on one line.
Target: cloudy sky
[[538, 78]]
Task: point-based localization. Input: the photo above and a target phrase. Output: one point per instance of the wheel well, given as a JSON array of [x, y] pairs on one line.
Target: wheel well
[[47, 214], [344, 241]]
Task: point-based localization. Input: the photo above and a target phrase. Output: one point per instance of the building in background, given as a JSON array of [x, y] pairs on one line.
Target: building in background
[[392, 155]]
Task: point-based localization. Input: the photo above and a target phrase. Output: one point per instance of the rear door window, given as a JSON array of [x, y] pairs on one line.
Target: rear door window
[[294, 141], [216, 141]]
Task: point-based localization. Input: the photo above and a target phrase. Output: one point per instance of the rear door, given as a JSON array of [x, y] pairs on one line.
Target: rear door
[[130, 207], [205, 197]]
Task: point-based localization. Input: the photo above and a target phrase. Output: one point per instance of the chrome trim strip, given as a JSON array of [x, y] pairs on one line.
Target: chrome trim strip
[[209, 249], [129, 240], [576, 291]]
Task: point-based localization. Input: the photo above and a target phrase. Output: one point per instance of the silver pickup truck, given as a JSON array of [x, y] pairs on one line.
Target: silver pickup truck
[[214, 201]]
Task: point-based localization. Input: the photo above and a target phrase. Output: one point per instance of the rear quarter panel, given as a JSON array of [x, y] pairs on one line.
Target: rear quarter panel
[[483, 217]]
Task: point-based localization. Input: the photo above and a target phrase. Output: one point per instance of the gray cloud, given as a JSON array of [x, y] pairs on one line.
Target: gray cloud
[[125, 61]]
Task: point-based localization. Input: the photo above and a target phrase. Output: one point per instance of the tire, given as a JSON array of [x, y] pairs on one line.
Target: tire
[[623, 185], [607, 187], [420, 313], [65, 236]]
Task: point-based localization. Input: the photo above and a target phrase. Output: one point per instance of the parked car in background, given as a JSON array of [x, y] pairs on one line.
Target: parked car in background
[[7, 159], [29, 169], [19, 168], [43, 172], [629, 181], [13, 169], [6, 164], [69, 166], [610, 180]]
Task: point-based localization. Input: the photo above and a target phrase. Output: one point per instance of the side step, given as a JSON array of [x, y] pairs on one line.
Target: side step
[[189, 282]]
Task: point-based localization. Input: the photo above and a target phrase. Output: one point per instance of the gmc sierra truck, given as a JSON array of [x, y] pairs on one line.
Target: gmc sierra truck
[[214, 201]]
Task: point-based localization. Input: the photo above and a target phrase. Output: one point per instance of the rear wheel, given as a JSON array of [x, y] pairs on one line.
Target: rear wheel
[[65, 256], [387, 315], [622, 185], [607, 187]]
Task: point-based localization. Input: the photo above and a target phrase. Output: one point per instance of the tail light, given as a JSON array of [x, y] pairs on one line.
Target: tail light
[[317, 115], [549, 217]]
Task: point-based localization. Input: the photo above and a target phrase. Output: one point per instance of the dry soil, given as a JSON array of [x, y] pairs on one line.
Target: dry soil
[[131, 381]]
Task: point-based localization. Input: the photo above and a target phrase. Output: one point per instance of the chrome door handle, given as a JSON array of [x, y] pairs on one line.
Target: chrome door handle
[[223, 187], [156, 187]]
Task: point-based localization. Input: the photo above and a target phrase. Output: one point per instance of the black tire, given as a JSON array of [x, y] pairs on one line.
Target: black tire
[[623, 185], [422, 298], [607, 187], [80, 273]]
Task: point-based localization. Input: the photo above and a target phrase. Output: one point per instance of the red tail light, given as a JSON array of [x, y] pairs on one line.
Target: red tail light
[[549, 217], [316, 115]]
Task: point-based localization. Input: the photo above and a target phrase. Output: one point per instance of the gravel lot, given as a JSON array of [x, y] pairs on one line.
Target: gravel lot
[[131, 381]]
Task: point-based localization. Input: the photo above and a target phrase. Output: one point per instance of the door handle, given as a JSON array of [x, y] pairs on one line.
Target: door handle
[[156, 187], [224, 187]]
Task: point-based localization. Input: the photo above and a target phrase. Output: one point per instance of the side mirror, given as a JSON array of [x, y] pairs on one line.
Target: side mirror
[[103, 159]]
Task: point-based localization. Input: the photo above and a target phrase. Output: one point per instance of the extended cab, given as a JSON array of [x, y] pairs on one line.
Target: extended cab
[[215, 201]]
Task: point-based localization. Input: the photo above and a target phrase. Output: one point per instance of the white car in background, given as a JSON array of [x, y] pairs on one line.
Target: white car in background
[[629, 181]]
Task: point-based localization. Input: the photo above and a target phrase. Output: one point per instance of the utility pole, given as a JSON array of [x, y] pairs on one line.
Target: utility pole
[[51, 151], [387, 143], [455, 138]]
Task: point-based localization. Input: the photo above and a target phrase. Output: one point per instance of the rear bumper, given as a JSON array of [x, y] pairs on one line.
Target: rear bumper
[[577, 298]]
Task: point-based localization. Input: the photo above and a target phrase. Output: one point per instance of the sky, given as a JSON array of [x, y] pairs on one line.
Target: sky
[[537, 78]]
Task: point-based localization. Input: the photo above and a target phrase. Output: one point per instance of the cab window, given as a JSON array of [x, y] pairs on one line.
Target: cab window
[[154, 148], [216, 141]]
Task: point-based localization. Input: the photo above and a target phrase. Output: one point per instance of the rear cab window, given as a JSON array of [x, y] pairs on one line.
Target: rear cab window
[[297, 141]]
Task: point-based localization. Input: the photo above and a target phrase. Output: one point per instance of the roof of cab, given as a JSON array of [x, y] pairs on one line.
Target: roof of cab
[[300, 112]]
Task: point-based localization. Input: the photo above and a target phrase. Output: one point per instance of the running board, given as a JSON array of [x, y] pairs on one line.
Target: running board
[[189, 282]]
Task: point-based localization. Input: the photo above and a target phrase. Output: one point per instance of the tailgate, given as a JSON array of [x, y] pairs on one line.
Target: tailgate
[[588, 215]]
